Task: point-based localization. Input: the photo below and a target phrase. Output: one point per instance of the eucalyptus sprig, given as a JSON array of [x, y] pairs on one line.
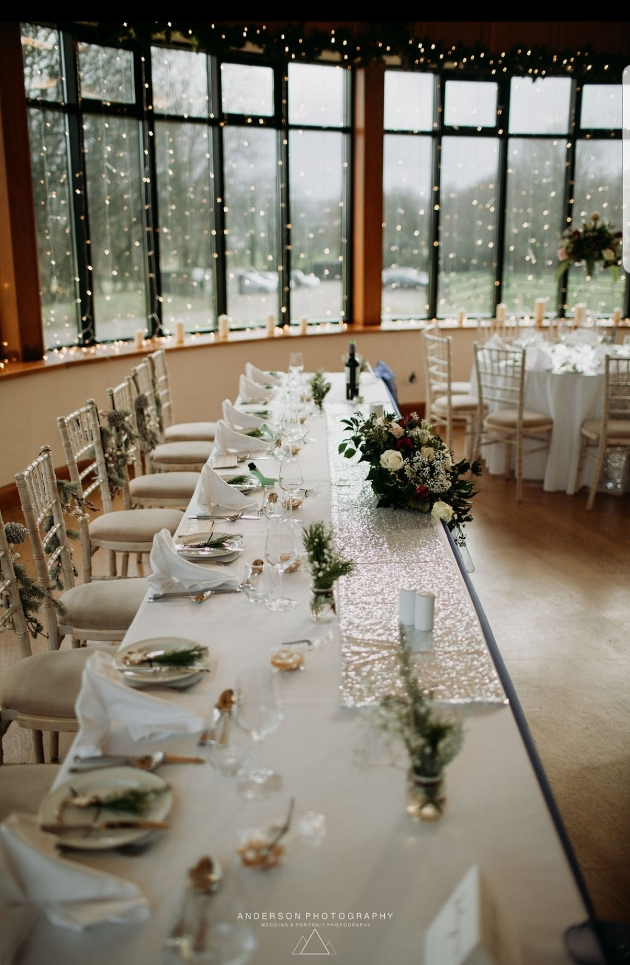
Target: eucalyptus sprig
[[325, 563], [319, 388]]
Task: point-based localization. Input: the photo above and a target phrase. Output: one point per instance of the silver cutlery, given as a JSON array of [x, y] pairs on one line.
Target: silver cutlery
[[148, 762], [228, 519], [195, 597]]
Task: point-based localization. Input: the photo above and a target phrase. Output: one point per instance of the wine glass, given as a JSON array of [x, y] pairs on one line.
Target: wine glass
[[291, 430], [259, 712], [290, 479], [296, 364], [281, 552]]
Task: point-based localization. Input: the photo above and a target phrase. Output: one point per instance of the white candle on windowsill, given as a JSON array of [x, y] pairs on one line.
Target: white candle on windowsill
[[539, 311], [224, 326], [303, 325], [138, 338], [461, 315], [424, 610], [578, 312], [180, 333], [616, 315], [501, 311], [271, 325]]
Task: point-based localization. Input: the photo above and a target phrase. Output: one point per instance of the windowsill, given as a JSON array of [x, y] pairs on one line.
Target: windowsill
[[75, 355]]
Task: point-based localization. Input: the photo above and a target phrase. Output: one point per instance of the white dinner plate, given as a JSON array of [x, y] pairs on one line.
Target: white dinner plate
[[104, 781], [158, 676]]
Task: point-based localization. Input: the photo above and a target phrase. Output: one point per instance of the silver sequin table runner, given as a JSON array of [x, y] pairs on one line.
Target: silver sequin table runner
[[394, 548]]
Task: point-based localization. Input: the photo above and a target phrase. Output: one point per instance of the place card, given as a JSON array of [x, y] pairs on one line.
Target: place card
[[227, 461], [468, 929]]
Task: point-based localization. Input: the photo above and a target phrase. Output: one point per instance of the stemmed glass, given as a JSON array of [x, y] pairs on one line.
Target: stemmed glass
[[291, 429], [296, 365], [281, 552], [290, 479], [259, 713]]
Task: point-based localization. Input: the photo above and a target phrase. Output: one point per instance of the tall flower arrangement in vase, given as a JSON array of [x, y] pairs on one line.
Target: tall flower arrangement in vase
[[412, 468], [595, 241]]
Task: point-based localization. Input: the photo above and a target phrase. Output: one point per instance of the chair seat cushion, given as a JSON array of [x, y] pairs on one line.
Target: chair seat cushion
[[182, 453], [617, 429], [170, 485], [191, 432], [460, 388], [46, 684], [467, 402], [507, 419], [23, 787], [134, 525], [103, 605]]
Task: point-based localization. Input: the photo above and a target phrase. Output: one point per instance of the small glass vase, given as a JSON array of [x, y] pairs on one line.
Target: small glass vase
[[425, 796], [323, 606]]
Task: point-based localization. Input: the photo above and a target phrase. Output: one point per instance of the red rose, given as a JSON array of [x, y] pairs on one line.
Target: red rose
[[575, 234], [422, 493], [404, 443]]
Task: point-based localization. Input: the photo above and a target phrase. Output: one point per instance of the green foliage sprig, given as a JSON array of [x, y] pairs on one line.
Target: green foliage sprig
[[147, 437], [320, 388], [118, 438], [31, 593], [168, 658], [132, 800], [594, 241], [431, 738], [325, 563]]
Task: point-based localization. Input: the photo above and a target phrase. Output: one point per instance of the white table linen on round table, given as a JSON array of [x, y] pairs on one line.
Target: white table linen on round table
[[374, 859]]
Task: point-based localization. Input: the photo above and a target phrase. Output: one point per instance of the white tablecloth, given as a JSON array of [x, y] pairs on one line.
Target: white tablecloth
[[375, 859]]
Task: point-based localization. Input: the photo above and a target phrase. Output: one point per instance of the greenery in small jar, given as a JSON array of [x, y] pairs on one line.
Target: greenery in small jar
[[320, 388], [326, 564]]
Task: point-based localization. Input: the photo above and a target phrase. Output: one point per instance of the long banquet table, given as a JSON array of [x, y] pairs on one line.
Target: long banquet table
[[374, 859]]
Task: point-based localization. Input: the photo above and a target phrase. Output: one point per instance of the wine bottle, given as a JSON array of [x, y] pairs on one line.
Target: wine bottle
[[352, 374]]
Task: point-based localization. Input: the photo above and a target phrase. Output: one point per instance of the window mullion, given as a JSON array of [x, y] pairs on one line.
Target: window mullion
[[218, 182], [149, 178], [434, 231], [569, 180], [504, 106], [281, 87], [78, 190]]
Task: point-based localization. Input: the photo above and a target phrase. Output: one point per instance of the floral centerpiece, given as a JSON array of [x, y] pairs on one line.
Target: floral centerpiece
[[594, 241], [410, 467]]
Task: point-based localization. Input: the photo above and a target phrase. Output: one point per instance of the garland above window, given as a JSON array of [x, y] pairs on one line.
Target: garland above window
[[390, 41]]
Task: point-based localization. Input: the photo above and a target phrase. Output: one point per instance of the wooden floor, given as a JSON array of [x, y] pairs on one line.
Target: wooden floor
[[554, 581]]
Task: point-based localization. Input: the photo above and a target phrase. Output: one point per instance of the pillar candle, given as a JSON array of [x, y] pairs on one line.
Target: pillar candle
[[461, 315], [224, 326], [303, 325], [286, 330], [616, 315], [501, 311], [138, 338], [271, 325], [539, 311], [578, 312], [180, 333], [424, 610], [407, 606]]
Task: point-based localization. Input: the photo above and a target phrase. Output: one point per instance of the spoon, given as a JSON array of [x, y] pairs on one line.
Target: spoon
[[195, 597], [203, 878], [149, 762]]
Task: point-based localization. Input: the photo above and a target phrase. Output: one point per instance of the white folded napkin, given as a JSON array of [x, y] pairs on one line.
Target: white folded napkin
[[227, 438], [68, 893], [538, 358], [169, 571], [216, 495], [260, 377], [117, 719], [495, 341], [252, 392], [240, 420]]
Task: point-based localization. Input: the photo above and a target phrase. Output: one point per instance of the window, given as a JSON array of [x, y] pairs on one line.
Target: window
[[171, 185]]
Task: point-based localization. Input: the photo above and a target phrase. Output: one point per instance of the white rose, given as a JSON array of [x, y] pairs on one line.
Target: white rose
[[396, 430], [428, 453], [391, 460], [424, 436], [608, 254], [442, 510]]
